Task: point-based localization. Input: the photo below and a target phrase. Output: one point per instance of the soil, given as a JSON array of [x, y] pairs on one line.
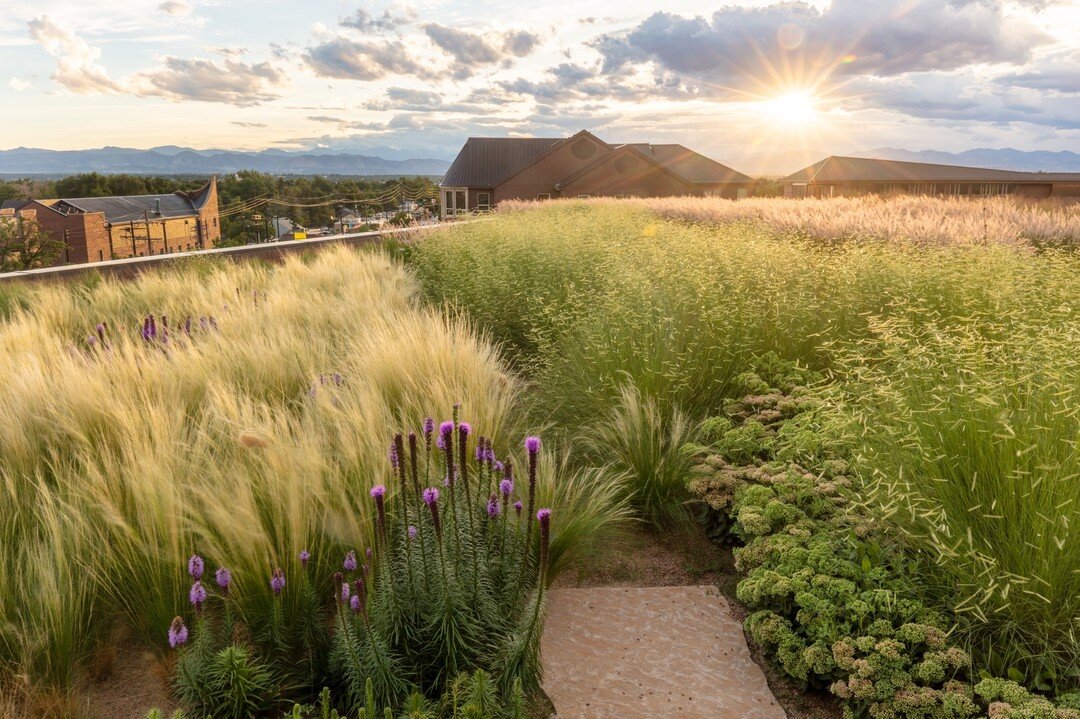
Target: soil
[[646, 558], [134, 681]]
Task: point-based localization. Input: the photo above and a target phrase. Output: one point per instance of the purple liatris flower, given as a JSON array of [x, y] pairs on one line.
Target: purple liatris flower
[[178, 633], [431, 499], [493, 506], [344, 592], [412, 532], [355, 603], [393, 455], [277, 581], [429, 426], [195, 567], [223, 577], [446, 433], [544, 517], [517, 507], [465, 429], [499, 466], [305, 556], [367, 553], [197, 595], [378, 491], [506, 486], [532, 445], [350, 562]]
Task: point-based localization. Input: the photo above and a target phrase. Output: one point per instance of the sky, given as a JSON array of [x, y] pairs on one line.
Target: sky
[[735, 80]]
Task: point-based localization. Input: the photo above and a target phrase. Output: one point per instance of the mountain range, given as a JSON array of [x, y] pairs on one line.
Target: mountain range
[[1005, 158], [172, 160]]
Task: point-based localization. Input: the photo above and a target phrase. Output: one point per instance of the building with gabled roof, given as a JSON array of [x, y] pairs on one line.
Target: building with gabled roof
[[489, 170], [94, 229], [836, 176]]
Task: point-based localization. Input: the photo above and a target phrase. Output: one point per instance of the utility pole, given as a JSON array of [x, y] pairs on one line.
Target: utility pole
[[149, 240], [131, 229]]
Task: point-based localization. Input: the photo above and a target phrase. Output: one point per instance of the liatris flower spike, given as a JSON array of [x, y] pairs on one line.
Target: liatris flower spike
[[544, 517], [195, 567], [344, 592], [223, 577], [532, 445], [338, 578], [178, 633], [517, 507], [446, 434], [429, 427], [506, 486], [367, 553], [277, 581], [305, 556], [412, 532], [431, 499], [197, 595], [393, 455], [355, 604], [493, 506], [350, 562], [378, 493]]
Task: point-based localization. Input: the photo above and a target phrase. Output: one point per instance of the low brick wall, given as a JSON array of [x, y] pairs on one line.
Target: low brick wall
[[272, 251]]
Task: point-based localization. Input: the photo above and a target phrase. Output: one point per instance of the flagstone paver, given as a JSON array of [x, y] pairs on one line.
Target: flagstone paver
[[650, 653]]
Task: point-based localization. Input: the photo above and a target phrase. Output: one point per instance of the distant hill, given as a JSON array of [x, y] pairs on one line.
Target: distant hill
[[1005, 158], [171, 160]]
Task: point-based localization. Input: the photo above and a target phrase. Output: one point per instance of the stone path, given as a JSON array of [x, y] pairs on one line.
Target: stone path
[[650, 653]]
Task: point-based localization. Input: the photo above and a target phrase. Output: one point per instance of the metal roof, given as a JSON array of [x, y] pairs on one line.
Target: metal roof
[[862, 169], [483, 161], [12, 204], [487, 161], [689, 165], [133, 207]]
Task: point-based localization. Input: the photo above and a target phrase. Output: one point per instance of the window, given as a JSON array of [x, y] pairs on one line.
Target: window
[[483, 200], [583, 149], [459, 202], [449, 200], [543, 195]]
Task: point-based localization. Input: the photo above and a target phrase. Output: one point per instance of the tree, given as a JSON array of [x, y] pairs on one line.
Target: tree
[[25, 246], [401, 219]]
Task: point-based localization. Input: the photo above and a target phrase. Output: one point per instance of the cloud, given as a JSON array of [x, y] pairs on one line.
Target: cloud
[[965, 97], [1059, 73], [176, 7], [745, 46], [77, 67], [356, 60], [232, 82], [471, 51], [238, 123], [366, 22], [520, 43], [19, 85]]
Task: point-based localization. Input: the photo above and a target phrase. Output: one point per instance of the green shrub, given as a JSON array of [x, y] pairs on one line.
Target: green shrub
[[834, 599], [641, 446]]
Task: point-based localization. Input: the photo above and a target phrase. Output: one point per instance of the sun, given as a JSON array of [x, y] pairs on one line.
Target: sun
[[795, 108]]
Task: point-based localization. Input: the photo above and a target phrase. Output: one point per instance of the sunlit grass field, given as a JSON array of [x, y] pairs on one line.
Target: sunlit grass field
[[957, 362], [247, 434]]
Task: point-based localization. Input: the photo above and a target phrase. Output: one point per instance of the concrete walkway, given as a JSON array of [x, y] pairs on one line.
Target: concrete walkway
[[650, 653]]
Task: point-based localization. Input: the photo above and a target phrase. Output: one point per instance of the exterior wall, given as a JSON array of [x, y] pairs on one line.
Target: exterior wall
[[156, 237], [85, 235], [637, 177], [1033, 191], [541, 176], [1070, 190], [208, 217]]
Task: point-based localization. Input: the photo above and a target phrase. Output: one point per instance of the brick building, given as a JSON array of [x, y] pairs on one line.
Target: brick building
[[94, 229], [837, 176], [491, 169]]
